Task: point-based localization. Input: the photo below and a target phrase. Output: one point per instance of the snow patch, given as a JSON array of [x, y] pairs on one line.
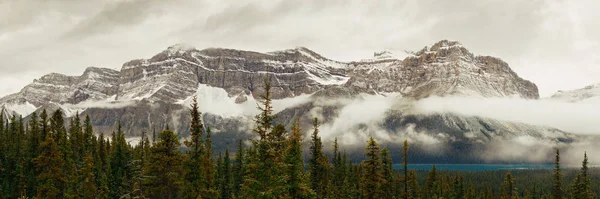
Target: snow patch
[[217, 101], [23, 109]]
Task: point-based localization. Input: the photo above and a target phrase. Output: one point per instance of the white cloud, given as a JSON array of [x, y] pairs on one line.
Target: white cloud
[[581, 118]]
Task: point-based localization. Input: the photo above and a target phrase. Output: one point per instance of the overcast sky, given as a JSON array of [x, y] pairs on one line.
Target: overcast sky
[[552, 43]]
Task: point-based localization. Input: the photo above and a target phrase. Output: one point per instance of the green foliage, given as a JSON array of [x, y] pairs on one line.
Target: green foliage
[[165, 171], [318, 164], [372, 177]]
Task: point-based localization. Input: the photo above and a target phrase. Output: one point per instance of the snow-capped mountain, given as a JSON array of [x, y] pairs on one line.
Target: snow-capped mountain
[[147, 94], [589, 93]]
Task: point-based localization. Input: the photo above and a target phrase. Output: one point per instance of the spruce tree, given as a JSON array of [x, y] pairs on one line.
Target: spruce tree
[[372, 176], [557, 190], [296, 186], [194, 172], [430, 183], [318, 163], [120, 168], [49, 164], [209, 169], [581, 185], [238, 169], [387, 186], [405, 166], [86, 179], [33, 151], [509, 190], [226, 178], [265, 166], [166, 167]]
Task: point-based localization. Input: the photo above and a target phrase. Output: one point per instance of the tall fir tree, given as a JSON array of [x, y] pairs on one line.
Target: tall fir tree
[[264, 165], [372, 176], [120, 167], [166, 167], [429, 190], [557, 190], [318, 163], [226, 177], [238, 169], [194, 172], [297, 188], [582, 185], [49, 165], [405, 169], [209, 170], [388, 185], [86, 179], [509, 189]]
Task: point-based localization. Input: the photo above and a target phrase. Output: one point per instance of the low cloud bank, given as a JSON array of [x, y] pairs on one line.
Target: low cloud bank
[[579, 118]]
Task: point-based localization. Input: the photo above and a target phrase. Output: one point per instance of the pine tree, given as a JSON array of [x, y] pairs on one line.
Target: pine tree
[[33, 152], [413, 185], [557, 190], [387, 186], [296, 186], [430, 184], [50, 164], [86, 181], [226, 178], [510, 190], [581, 186], [405, 166], [194, 173], [120, 168], [166, 167], [372, 176], [208, 164], [220, 177], [338, 170], [264, 163], [238, 170], [318, 163]]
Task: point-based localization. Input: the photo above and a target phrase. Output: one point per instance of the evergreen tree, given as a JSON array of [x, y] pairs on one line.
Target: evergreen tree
[[338, 170], [296, 186], [120, 168], [166, 167], [318, 163], [238, 170], [582, 185], [509, 191], [265, 166], [33, 151], [430, 184], [387, 186], [208, 165], [86, 181], [413, 185], [557, 190], [50, 164], [220, 177], [226, 177], [405, 166], [372, 176], [194, 172]]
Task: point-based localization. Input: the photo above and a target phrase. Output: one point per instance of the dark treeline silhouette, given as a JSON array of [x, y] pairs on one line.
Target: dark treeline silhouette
[[44, 159]]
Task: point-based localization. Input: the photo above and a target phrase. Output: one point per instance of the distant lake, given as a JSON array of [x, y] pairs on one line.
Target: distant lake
[[476, 167]]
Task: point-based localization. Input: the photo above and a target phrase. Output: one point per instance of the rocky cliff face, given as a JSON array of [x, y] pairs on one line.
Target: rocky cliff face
[[147, 94]]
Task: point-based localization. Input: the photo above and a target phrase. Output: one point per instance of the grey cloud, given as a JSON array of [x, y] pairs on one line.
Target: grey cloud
[[114, 15]]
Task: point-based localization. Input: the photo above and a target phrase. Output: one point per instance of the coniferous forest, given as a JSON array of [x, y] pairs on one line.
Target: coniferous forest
[[45, 159]]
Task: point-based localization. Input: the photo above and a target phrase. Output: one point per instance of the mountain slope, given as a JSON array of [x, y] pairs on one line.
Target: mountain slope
[[363, 98]]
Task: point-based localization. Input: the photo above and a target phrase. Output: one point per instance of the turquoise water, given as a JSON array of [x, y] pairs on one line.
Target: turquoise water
[[475, 167]]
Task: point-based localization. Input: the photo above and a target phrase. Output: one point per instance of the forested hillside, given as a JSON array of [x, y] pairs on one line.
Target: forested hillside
[[45, 159]]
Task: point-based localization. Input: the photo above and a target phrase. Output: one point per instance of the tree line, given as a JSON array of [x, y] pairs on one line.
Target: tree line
[[45, 159]]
